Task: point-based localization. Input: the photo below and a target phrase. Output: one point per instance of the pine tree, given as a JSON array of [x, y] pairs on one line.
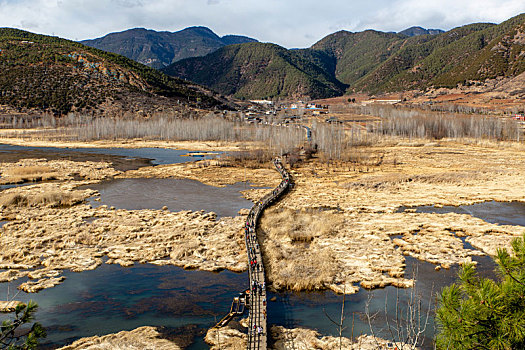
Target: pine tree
[[14, 336], [479, 313]]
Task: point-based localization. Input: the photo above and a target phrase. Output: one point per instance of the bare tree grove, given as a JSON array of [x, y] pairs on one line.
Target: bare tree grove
[[331, 141]]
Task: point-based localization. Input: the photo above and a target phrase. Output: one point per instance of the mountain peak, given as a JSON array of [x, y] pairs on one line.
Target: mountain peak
[[159, 49], [416, 30]]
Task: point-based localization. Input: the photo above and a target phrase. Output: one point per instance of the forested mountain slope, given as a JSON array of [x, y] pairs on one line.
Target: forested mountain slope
[[56, 75], [159, 49]]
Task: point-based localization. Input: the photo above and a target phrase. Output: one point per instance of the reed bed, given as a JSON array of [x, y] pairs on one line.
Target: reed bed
[[49, 198]]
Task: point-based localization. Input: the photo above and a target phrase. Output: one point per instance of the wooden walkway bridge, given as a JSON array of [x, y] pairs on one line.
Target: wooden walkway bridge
[[256, 295], [258, 331]]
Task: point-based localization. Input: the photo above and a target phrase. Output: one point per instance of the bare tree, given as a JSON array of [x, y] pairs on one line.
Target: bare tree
[[407, 327]]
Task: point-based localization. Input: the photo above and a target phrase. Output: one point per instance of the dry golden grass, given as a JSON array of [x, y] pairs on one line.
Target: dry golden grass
[[28, 170], [29, 174], [303, 225], [301, 265], [51, 198], [395, 179]]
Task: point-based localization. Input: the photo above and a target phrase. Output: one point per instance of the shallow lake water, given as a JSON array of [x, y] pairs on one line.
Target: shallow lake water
[[111, 298], [502, 213], [156, 155], [176, 194]]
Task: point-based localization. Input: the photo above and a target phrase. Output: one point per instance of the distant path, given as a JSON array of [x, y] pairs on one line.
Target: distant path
[[257, 329]]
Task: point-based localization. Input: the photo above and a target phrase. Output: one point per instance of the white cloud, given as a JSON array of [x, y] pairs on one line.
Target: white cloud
[[291, 23]]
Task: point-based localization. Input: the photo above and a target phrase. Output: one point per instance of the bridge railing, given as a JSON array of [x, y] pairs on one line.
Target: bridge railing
[[257, 318]]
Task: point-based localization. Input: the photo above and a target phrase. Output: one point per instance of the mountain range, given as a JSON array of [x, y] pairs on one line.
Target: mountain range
[[415, 31], [51, 74], [369, 61], [159, 49]]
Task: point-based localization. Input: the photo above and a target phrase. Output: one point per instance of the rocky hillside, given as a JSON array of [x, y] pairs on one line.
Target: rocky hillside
[[159, 49], [369, 61], [46, 73], [258, 70]]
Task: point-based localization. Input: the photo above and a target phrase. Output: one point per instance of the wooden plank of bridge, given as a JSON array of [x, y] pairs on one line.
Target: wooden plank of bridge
[[257, 329]]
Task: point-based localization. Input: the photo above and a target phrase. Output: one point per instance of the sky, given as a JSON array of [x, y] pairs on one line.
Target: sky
[[289, 23]]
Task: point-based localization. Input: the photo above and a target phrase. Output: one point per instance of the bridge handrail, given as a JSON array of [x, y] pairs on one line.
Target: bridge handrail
[[258, 341]]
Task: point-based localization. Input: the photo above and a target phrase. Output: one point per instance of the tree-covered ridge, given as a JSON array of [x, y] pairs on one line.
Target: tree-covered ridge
[[357, 54], [58, 75], [159, 49], [258, 70], [422, 58], [369, 61]]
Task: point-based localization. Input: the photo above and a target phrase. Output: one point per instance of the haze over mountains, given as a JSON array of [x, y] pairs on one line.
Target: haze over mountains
[[159, 49]]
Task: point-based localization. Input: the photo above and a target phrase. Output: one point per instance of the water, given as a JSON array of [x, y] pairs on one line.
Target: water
[[156, 155], [309, 309], [501, 213], [176, 194], [5, 187], [111, 298]]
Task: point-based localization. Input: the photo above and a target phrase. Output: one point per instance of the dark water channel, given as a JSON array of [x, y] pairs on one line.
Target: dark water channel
[[111, 298], [176, 194], [502, 213]]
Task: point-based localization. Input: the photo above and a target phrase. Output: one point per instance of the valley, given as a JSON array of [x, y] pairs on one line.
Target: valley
[[360, 193]]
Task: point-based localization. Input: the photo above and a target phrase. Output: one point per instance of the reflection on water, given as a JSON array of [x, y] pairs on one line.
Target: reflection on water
[[176, 194], [502, 213], [111, 298]]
